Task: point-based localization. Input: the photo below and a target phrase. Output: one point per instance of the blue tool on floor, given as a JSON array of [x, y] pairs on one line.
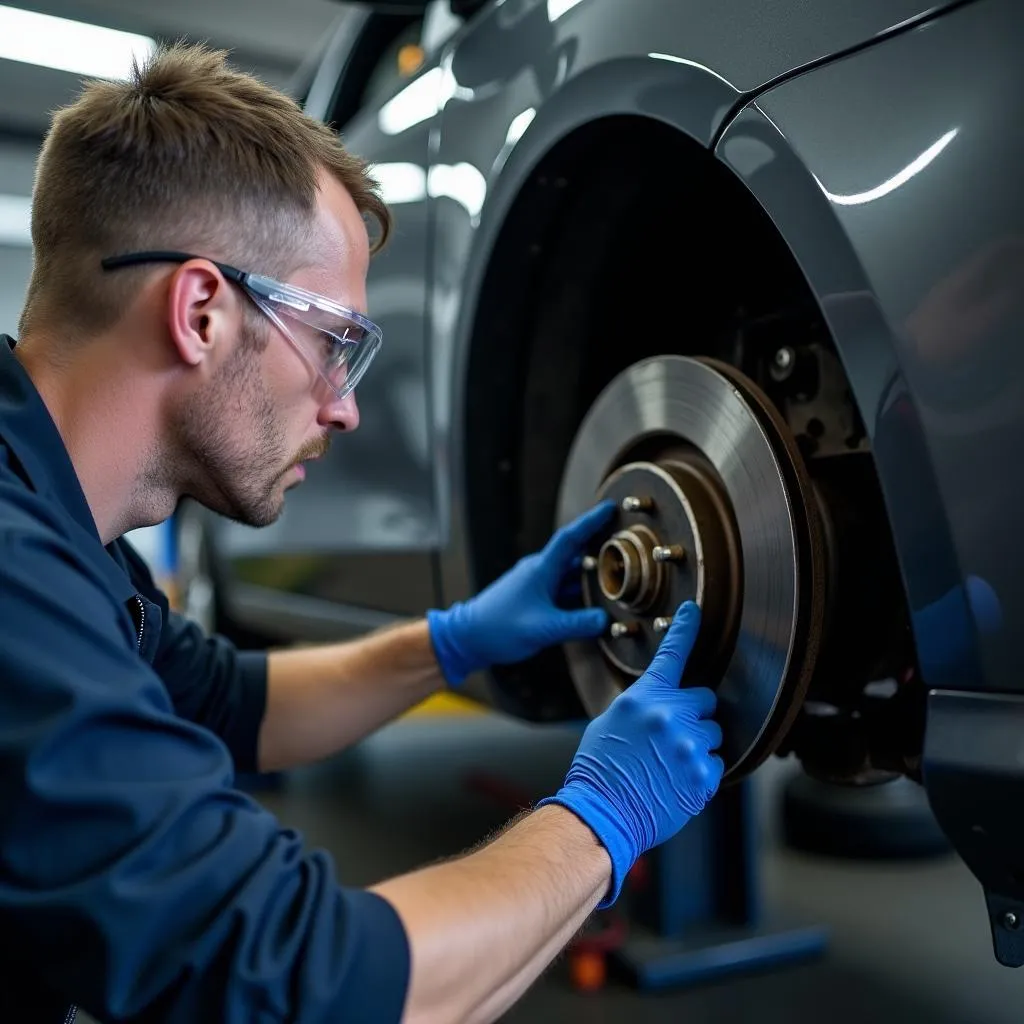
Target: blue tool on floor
[[695, 908]]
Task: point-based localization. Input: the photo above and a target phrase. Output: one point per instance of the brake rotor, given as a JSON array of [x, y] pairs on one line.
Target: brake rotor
[[714, 506]]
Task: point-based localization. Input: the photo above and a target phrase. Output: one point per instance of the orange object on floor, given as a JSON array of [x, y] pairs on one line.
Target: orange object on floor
[[588, 969]]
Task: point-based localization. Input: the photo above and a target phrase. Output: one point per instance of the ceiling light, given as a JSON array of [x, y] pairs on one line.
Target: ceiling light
[[67, 45]]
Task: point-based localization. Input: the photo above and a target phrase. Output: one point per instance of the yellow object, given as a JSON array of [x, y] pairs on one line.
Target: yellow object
[[446, 704], [410, 59]]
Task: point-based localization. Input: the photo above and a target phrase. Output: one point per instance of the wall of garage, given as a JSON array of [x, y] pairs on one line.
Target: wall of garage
[[15, 266], [17, 165]]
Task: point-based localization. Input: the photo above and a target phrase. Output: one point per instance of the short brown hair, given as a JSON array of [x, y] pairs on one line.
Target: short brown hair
[[187, 153]]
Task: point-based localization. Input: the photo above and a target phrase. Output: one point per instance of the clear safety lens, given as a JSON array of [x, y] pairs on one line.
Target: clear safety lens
[[342, 342]]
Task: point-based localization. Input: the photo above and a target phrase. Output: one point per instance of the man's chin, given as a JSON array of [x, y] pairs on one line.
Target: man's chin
[[258, 514]]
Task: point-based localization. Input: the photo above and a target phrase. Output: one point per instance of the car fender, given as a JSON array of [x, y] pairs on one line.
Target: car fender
[[875, 211], [893, 176], [522, 78]]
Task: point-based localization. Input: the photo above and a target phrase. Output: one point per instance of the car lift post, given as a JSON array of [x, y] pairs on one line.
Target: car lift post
[[694, 907]]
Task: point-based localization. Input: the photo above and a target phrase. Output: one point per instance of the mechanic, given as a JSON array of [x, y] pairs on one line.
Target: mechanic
[[135, 880]]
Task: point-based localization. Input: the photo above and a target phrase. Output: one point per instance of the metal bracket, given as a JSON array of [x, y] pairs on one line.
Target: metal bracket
[[974, 776]]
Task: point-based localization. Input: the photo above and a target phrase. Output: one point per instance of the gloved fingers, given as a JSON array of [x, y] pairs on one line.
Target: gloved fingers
[[700, 701], [715, 771], [695, 740], [709, 733], [699, 772], [666, 667], [568, 542], [581, 625], [570, 589]]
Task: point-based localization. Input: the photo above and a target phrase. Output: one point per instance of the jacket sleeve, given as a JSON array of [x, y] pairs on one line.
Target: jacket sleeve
[[215, 685], [210, 681], [144, 884]]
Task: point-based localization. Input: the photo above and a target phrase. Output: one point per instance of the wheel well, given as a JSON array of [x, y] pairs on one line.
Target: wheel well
[[628, 240]]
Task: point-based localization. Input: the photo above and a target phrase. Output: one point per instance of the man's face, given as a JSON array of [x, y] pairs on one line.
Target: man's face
[[267, 411]]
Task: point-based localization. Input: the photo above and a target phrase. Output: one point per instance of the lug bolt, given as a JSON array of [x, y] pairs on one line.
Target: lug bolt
[[621, 629], [669, 553], [589, 563], [635, 504], [662, 623], [783, 364], [784, 358], [1011, 921]]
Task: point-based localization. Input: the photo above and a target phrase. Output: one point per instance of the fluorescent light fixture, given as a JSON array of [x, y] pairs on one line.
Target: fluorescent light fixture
[[916, 166], [15, 220], [50, 42]]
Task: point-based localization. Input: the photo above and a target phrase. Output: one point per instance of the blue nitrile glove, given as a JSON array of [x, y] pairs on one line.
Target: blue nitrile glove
[[519, 614], [644, 766]]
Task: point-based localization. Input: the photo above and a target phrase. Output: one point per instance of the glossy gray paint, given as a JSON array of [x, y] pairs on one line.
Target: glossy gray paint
[[894, 176], [520, 81]]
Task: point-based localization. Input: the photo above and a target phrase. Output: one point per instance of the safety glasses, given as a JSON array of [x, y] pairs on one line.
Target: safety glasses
[[342, 342]]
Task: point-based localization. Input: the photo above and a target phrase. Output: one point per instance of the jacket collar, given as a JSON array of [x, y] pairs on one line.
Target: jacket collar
[[28, 430]]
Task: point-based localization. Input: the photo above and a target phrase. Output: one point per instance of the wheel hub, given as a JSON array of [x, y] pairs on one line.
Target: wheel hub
[[713, 506], [675, 534]]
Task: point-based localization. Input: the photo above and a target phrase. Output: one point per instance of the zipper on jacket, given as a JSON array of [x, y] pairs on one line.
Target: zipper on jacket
[[142, 619], [72, 1014]]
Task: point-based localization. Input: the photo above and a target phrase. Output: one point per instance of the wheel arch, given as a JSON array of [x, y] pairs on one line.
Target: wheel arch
[[533, 365]]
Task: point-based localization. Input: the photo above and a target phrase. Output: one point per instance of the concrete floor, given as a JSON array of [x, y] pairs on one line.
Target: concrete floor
[[908, 942]]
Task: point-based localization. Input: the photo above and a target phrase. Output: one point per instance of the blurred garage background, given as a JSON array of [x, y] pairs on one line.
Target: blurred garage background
[[906, 942]]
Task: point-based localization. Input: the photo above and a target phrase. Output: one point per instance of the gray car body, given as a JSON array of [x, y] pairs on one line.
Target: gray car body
[[882, 139]]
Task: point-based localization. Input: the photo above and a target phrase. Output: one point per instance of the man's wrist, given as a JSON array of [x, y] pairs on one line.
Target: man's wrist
[[593, 814], [585, 843], [451, 660]]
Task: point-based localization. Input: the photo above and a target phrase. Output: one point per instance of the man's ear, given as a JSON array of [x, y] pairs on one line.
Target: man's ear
[[201, 310]]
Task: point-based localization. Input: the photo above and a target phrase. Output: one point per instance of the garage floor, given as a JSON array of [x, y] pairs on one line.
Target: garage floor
[[909, 943]]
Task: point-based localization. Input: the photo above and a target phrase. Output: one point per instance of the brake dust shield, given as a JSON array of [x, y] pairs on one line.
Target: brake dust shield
[[714, 506]]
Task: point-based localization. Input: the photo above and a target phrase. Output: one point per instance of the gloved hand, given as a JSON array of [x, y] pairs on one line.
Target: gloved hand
[[518, 614], [644, 766]]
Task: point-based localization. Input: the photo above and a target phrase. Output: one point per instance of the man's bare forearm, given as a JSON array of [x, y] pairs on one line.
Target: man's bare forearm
[[483, 927], [323, 699]]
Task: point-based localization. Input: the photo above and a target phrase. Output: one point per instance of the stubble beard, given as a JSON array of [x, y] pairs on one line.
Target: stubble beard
[[234, 478]]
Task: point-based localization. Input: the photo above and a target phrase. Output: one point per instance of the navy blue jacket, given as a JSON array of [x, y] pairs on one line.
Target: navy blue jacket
[[135, 880]]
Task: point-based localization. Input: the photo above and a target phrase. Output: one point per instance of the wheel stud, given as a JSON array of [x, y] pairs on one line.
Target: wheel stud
[[662, 623], [635, 504], [669, 553], [589, 563], [621, 629]]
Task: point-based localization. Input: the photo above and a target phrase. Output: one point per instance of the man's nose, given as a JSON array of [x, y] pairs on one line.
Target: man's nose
[[341, 413]]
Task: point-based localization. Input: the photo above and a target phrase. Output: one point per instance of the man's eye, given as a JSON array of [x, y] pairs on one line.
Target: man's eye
[[336, 349], [352, 335]]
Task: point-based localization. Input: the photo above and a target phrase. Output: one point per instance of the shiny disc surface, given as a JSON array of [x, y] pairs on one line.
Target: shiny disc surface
[[720, 413]]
